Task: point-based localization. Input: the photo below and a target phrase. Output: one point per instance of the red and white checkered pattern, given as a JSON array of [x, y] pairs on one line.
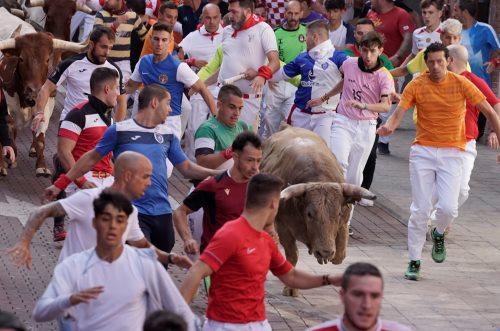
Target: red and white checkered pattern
[[275, 12]]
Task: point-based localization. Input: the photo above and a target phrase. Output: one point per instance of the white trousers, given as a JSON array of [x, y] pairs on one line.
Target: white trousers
[[99, 182], [321, 124], [199, 114], [250, 112], [174, 123], [82, 22], [279, 100], [432, 170], [211, 325]]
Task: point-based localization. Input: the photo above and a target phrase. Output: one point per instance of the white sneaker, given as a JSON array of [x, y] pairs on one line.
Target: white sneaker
[[365, 203]]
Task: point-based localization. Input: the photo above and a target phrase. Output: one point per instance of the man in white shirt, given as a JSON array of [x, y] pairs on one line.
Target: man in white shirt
[[340, 33], [247, 45], [200, 46], [432, 11], [132, 177], [111, 286]]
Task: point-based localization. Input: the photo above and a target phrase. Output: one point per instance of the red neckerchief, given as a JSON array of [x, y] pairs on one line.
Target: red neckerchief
[[205, 33], [252, 20]]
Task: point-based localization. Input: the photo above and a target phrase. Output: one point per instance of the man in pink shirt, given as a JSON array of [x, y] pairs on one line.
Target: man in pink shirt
[[365, 93]]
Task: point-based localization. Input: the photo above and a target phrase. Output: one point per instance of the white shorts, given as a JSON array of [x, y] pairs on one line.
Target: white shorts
[[320, 123], [99, 182], [211, 325]]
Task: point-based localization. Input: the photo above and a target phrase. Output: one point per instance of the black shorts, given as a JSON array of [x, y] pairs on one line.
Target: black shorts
[[159, 230]]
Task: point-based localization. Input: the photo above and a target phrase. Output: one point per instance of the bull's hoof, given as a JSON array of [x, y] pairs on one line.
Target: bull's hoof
[[290, 292], [32, 152], [3, 172], [43, 172]]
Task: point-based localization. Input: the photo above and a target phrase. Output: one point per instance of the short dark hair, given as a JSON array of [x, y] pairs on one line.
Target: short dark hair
[[249, 4], [227, 90], [244, 138], [260, 190], [100, 31], [334, 4], [365, 21], [167, 5], [10, 321], [116, 199], [469, 5], [371, 39], [162, 320], [360, 269], [436, 47], [319, 26], [439, 4], [100, 76], [150, 92], [162, 27]]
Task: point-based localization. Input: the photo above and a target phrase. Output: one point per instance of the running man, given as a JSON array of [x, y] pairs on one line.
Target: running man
[[238, 259], [436, 156]]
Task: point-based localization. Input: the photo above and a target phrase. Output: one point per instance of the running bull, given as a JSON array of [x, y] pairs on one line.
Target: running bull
[[315, 207]]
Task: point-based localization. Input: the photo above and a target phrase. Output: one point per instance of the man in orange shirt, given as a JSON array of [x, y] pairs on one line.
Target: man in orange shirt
[[436, 156]]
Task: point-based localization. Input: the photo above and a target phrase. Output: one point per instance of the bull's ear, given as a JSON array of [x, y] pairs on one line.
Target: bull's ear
[[293, 191], [354, 193]]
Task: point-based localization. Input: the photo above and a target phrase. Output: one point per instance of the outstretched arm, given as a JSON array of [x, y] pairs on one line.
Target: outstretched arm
[[197, 272], [193, 171], [180, 217], [296, 278], [392, 123]]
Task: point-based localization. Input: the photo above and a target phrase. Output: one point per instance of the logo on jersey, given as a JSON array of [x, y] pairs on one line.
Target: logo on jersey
[[159, 138], [324, 66], [302, 38], [82, 70], [250, 250], [163, 78], [134, 138], [311, 75], [227, 191]]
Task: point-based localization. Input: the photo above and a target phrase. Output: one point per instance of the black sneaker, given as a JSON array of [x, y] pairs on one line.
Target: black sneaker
[[383, 149]]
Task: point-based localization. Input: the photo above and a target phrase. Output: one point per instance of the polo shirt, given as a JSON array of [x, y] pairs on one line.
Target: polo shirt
[[213, 136], [158, 144], [241, 257]]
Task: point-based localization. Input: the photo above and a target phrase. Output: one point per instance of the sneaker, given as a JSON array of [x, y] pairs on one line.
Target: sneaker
[[351, 232], [383, 149], [365, 203], [59, 233], [413, 271], [438, 248]]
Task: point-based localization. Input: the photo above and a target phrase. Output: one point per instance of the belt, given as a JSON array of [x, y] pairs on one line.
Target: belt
[[100, 174]]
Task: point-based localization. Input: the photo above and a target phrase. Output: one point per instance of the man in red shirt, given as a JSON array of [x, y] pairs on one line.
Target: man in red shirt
[[222, 197], [239, 257]]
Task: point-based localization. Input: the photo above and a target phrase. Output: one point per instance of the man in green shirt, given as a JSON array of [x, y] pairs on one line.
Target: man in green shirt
[[291, 39]]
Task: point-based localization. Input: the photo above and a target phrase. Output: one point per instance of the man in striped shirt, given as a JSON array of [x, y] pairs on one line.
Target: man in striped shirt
[[116, 16]]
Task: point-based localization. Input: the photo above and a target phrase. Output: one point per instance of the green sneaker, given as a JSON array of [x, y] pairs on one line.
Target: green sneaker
[[438, 248], [413, 271]]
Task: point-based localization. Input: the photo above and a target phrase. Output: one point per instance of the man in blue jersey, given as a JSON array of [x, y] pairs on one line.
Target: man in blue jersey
[[166, 70], [144, 134], [319, 71]]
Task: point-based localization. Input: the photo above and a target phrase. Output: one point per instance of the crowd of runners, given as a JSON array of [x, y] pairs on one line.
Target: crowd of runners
[[198, 86]]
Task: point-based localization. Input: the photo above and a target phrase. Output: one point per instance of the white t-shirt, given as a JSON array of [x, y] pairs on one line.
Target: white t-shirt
[[338, 37], [421, 39], [81, 234], [123, 304], [183, 75], [245, 51]]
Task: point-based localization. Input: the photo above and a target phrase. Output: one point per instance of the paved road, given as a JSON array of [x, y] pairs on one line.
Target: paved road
[[462, 293]]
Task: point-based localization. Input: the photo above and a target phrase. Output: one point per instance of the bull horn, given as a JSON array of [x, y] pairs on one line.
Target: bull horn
[[68, 45], [356, 193], [298, 189], [7, 44], [35, 3], [84, 8], [17, 12], [17, 31]]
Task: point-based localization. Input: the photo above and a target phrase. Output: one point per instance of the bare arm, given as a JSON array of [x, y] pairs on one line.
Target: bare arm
[[296, 278], [193, 171], [41, 102], [64, 148], [164, 257], [392, 123], [200, 87], [382, 107], [180, 217], [274, 64], [131, 86], [121, 108], [493, 141], [197, 272], [399, 71], [334, 91], [20, 253], [403, 49], [212, 79], [211, 161], [490, 114]]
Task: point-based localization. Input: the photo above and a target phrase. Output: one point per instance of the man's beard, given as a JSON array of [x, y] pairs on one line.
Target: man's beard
[[97, 59], [237, 25]]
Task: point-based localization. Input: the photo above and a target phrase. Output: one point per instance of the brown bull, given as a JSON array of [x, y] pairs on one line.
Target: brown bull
[[23, 71], [316, 205]]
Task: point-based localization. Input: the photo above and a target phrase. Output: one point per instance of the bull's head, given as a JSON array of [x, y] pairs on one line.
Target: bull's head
[[326, 212], [32, 53]]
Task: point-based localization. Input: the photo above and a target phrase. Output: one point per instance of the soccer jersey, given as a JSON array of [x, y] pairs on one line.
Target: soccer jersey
[[169, 73], [158, 144], [338, 325], [363, 85], [393, 25], [222, 200], [481, 41], [317, 76], [213, 136], [246, 50], [241, 257], [422, 38], [75, 72], [81, 234], [290, 42], [441, 108]]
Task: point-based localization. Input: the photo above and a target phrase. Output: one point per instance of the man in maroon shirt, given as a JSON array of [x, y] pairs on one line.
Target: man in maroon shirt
[[222, 197], [238, 259]]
